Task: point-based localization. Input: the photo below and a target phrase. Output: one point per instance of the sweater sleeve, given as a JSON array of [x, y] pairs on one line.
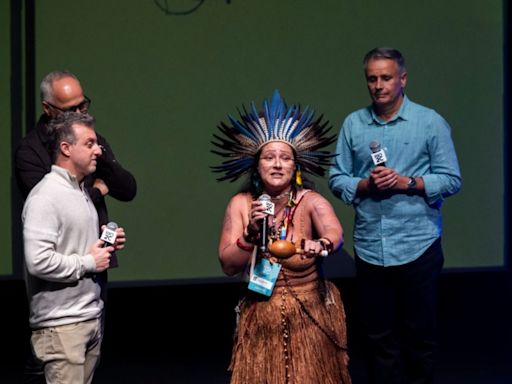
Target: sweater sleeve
[[40, 234]]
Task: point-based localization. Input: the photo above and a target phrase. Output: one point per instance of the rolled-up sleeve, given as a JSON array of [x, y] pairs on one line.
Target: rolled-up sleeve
[[342, 181], [445, 177]]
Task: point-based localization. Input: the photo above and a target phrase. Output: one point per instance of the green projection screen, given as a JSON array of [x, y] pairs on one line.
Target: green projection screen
[[161, 78]]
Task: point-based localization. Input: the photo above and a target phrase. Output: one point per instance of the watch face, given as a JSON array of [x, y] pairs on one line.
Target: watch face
[[411, 183]]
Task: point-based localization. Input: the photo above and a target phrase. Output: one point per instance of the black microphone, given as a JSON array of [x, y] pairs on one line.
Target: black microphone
[[109, 234], [378, 154], [267, 203]]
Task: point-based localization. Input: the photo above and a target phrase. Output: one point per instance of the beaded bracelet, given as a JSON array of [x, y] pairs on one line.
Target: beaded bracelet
[[326, 244], [244, 247]]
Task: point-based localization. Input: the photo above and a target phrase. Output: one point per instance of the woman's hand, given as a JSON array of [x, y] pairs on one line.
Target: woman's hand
[[256, 216], [312, 248]]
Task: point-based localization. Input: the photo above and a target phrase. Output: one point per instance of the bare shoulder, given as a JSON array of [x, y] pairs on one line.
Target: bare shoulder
[[240, 201], [316, 202], [312, 198]]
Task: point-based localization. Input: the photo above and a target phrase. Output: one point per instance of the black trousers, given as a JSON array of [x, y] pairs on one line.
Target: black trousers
[[397, 306]]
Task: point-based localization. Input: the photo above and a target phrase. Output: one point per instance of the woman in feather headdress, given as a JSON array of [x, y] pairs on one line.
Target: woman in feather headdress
[[276, 231]]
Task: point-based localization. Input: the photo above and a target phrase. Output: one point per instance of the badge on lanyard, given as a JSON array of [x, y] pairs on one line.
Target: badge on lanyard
[[264, 276]]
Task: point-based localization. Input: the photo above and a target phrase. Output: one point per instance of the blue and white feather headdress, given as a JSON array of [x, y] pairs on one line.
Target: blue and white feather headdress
[[277, 122]]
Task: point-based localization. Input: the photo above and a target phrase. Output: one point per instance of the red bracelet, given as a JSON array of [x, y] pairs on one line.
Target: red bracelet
[[244, 247]]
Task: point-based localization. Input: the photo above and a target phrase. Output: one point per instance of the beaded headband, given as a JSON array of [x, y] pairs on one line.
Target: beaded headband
[[277, 122]]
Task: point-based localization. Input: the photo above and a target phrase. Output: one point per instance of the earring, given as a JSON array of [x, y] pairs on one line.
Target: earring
[[298, 177]]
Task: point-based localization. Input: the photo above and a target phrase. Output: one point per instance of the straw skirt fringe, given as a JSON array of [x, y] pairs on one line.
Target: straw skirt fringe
[[275, 338]]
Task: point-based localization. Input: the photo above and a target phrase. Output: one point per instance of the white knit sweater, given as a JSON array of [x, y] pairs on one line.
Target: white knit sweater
[[60, 224]]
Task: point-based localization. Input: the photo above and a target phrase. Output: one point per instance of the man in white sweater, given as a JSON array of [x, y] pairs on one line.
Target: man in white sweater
[[63, 254]]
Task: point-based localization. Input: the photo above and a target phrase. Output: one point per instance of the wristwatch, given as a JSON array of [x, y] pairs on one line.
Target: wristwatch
[[411, 184]]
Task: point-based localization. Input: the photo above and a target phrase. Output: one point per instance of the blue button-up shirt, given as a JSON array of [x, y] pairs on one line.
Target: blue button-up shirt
[[397, 229]]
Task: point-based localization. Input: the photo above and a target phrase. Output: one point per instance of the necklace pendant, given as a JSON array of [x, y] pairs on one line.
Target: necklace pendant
[[282, 235]]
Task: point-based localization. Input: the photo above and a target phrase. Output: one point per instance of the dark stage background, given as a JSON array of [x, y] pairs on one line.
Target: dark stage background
[[182, 334]]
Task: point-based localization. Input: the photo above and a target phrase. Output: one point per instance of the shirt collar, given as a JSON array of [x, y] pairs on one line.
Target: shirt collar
[[403, 113], [64, 174]]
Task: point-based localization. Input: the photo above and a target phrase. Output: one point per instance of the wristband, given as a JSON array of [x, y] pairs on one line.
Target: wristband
[[326, 244]]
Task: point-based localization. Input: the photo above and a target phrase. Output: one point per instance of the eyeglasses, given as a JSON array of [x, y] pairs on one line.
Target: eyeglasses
[[82, 107]]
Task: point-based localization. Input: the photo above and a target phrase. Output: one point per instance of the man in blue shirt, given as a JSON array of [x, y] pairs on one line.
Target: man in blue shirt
[[395, 164]]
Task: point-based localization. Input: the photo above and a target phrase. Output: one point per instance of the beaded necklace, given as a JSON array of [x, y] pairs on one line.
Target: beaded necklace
[[281, 195], [287, 220]]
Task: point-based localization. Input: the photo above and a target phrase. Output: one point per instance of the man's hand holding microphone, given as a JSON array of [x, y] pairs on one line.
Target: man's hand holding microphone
[[113, 238]]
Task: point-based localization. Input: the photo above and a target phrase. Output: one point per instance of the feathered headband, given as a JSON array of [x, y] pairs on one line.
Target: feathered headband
[[245, 138]]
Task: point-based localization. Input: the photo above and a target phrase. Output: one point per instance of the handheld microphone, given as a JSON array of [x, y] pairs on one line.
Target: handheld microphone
[[109, 234], [267, 203], [378, 154]]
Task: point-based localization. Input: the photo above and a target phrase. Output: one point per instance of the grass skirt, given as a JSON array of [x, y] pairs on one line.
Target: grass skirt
[[277, 342]]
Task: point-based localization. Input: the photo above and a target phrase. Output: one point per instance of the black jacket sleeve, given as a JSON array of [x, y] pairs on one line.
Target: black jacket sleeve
[[31, 162], [120, 182]]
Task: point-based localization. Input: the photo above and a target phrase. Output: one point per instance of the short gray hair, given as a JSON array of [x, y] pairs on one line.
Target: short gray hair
[[385, 53], [61, 129], [46, 86]]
